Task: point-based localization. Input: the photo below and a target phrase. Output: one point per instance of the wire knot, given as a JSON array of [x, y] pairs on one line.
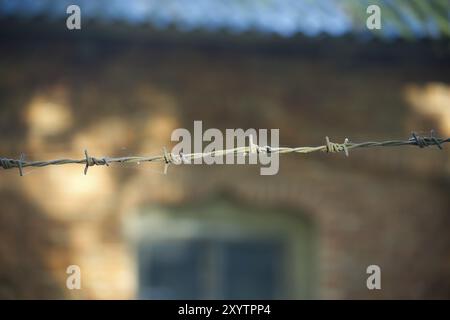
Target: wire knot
[[332, 147], [168, 159], [253, 147], [6, 163], [266, 149], [180, 159], [423, 142], [92, 161]]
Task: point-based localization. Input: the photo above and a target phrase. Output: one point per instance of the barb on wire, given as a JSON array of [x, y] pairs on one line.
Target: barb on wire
[[169, 158]]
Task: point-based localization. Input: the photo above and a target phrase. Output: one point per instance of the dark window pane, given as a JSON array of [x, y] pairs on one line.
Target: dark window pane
[[245, 269], [252, 269], [171, 270]]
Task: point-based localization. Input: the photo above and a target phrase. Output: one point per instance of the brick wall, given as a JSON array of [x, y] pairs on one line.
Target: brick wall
[[387, 207]]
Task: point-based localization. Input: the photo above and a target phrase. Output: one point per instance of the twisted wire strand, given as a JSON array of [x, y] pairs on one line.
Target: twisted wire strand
[[170, 158]]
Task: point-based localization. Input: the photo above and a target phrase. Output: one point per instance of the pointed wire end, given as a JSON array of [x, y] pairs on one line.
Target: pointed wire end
[[166, 160], [435, 139], [346, 141], [87, 161], [22, 157], [327, 140]]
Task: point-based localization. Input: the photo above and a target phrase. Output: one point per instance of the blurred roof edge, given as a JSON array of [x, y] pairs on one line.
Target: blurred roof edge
[[402, 19], [345, 48]]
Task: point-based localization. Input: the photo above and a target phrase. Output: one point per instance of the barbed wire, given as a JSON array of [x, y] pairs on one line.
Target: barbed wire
[[170, 158]]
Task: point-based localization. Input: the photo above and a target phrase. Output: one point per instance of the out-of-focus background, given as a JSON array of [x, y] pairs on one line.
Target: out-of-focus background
[[139, 69]]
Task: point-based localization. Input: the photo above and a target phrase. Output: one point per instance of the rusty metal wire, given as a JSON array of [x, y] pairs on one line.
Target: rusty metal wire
[[169, 158]]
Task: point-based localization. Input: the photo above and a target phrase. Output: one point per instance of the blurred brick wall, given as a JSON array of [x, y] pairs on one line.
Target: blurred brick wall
[[388, 207]]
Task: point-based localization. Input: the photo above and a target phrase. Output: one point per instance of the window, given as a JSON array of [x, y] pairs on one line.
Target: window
[[221, 251], [209, 268]]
